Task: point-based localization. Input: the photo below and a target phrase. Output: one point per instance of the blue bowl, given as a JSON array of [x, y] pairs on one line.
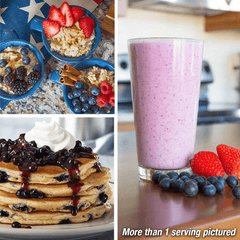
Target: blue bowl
[[80, 66], [36, 24], [10, 38]]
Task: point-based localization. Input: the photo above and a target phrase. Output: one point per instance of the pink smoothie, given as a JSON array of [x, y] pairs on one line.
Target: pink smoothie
[[165, 86]]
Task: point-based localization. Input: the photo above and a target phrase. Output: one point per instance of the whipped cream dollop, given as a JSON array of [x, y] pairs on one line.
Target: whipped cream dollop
[[52, 135]]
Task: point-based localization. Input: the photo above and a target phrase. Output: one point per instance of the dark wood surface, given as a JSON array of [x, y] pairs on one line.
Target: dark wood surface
[[144, 205]]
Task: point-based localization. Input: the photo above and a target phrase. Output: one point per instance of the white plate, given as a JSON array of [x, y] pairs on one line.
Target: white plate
[[61, 231]]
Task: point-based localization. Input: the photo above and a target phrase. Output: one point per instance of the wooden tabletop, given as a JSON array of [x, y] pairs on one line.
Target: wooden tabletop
[[143, 205]]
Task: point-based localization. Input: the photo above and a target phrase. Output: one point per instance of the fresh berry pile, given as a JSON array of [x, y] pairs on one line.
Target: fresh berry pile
[[193, 184], [91, 100], [66, 17], [18, 80]]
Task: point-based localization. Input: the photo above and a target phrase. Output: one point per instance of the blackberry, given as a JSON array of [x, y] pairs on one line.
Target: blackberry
[[21, 72], [9, 79], [19, 87], [33, 77]]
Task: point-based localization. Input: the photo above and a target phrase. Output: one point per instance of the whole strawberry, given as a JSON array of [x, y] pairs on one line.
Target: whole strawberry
[[207, 164], [230, 159]]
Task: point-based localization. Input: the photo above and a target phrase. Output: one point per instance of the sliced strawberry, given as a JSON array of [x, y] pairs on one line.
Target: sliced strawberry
[[66, 11], [102, 100], [105, 88], [77, 13], [112, 99], [87, 24], [230, 159], [207, 164], [50, 28], [56, 16]]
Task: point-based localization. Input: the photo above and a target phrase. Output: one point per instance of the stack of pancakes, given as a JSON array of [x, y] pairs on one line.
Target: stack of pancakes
[[52, 195]]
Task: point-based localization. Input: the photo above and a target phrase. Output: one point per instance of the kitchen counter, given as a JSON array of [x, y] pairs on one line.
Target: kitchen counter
[[48, 98], [144, 205]]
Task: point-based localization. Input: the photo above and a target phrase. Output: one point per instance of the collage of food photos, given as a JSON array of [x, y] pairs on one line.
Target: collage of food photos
[[161, 163], [57, 104]]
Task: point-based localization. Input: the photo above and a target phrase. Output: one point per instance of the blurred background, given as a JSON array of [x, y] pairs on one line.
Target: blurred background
[[217, 23], [97, 133]]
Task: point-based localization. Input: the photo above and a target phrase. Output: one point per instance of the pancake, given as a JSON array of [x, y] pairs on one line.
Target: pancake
[[91, 185], [48, 174], [8, 215], [61, 204]]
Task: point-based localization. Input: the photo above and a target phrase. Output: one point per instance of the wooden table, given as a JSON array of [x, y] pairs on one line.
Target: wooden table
[[143, 205]]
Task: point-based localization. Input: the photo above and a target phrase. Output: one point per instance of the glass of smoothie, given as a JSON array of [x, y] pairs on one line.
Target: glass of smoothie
[[165, 79]]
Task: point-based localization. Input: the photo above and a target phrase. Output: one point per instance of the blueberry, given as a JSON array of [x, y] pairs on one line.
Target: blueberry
[[95, 109], [24, 51], [16, 224], [1, 79], [198, 179], [201, 185], [95, 91], [190, 188], [173, 175], [232, 181], [3, 63], [236, 192], [204, 178], [184, 174], [78, 85], [184, 178], [8, 70], [165, 184], [84, 97], [222, 179], [155, 176], [89, 111], [219, 186], [108, 106], [162, 177], [37, 67], [102, 111], [77, 92], [85, 86], [70, 95], [209, 190], [212, 179], [26, 60], [177, 185], [193, 176], [75, 101], [85, 107], [78, 108], [92, 101]]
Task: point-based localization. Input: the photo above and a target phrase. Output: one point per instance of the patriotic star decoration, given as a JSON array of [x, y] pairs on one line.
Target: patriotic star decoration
[[1, 12], [33, 9]]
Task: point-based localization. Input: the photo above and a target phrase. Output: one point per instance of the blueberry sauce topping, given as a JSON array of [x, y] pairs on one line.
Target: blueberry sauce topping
[[3, 213], [28, 157]]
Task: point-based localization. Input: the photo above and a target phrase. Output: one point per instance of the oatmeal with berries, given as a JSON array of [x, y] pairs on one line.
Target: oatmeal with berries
[[94, 92], [71, 41], [19, 70], [69, 31]]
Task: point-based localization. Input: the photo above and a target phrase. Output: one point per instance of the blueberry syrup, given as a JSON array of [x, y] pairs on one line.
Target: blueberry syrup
[[27, 156], [75, 184], [25, 179]]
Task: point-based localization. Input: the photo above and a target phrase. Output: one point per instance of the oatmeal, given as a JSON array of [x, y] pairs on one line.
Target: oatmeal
[[71, 41], [69, 30], [94, 76], [19, 70], [92, 90]]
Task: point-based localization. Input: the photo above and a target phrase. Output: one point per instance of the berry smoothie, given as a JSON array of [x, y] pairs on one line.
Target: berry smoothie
[[165, 86]]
